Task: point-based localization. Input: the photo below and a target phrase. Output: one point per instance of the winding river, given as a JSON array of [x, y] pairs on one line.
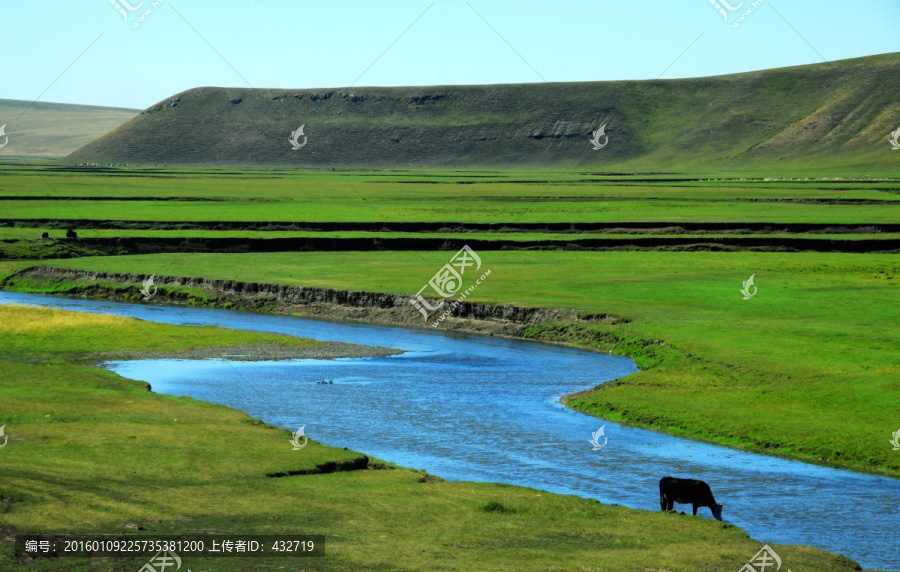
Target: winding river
[[485, 409]]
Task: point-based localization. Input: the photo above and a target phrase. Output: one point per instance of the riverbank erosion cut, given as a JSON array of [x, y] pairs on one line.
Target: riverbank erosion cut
[[345, 305]]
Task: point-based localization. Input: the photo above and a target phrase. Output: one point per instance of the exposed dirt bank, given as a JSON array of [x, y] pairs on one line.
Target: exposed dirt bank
[[355, 306], [358, 464]]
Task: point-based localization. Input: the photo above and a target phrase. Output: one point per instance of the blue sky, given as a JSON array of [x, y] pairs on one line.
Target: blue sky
[[86, 52]]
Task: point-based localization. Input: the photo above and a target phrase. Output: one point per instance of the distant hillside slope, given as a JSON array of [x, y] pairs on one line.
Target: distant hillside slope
[[53, 130], [839, 113]]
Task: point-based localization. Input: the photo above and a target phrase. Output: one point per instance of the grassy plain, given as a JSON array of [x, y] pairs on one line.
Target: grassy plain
[[806, 368], [813, 350], [776, 373], [91, 452], [439, 196]]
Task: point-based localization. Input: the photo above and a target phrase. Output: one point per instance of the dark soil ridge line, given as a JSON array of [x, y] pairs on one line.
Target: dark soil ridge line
[[107, 198], [163, 171], [532, 198], [431, 227], [155, 245], [343, 305], [358, 464], [156, 170], [586, 199]]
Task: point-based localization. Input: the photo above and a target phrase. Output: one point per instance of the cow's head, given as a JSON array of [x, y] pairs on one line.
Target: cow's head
[[717, 511]]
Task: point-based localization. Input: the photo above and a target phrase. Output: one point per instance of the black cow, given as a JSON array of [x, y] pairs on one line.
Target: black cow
[[687, 491], [45, 235], [71, 234]]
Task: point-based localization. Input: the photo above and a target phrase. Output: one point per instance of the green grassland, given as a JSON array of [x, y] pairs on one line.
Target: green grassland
[[438, 196], [463, 211], [47, 131], [814, 350], [807, 368], [91, 452], [776, 373]]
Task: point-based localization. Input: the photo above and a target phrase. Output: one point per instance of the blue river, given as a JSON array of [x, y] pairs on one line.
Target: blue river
[[473, 408]]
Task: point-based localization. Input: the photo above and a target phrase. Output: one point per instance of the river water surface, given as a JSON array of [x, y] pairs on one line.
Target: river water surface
[[484, 409]]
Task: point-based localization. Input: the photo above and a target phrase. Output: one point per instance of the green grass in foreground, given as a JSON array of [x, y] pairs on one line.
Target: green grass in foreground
[[815, 350], [91, 452]]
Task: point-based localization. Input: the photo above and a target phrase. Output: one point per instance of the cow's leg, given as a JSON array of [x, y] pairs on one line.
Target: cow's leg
[[662, 501], [695, 510]]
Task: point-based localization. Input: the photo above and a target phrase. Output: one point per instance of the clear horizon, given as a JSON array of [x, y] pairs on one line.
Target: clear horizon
[[97, 56]]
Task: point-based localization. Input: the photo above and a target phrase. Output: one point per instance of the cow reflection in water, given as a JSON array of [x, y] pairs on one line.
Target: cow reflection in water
[[687, 491]]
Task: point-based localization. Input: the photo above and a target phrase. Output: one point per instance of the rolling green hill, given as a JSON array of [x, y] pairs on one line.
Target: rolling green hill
[[835, 115], [45, 131]]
